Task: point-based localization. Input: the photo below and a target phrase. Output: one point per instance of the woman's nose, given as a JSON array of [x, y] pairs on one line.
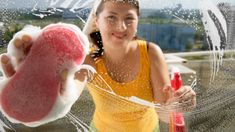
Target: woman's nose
[[121, 26]]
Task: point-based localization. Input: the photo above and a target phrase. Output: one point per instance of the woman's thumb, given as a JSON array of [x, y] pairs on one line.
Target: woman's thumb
[[6, 65], [167, 88]]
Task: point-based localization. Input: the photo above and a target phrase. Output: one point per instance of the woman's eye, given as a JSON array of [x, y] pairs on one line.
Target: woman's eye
[[130, 18], [111, 17]]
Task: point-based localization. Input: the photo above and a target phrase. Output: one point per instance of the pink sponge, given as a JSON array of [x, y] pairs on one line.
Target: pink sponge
[[35, 94]]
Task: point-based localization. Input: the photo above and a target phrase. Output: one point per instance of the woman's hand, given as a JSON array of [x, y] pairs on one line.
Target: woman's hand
[[187, 98], [6, 65], [23, 45], [182, 100], [82, 75]]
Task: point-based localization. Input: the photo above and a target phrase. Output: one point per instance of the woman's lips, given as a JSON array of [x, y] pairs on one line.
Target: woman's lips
[[119, 36]]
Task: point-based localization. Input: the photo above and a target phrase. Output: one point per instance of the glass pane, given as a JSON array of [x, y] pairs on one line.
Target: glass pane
[[195, 36]]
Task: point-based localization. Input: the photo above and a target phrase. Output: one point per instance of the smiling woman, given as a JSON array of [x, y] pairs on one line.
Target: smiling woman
[[126, 68], [129, 67]]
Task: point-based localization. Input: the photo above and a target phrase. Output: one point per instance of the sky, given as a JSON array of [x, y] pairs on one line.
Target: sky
[[185, 3], [154, 4]]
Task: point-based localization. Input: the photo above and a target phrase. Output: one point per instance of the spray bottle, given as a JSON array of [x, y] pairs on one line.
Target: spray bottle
[[177, 123]]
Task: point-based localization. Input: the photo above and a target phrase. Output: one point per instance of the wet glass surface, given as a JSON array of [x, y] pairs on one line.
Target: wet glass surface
[[199, 32]]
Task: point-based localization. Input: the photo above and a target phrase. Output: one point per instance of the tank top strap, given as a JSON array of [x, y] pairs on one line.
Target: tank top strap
[[97, 62], [144, 54]]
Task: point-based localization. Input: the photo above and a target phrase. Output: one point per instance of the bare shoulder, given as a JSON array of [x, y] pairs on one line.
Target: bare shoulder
[[155, 53], [158, 72]]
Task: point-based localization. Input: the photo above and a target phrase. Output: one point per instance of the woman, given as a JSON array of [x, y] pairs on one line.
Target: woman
[[129, 66], [125, 67]]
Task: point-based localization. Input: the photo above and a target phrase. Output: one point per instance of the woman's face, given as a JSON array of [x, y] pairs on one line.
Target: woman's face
[[117, 23]]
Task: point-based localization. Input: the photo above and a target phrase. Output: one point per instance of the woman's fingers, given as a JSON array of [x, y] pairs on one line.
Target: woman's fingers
[[185, 99], [190, 95], [7, 66], [27, 43], [24, 43], [82, 75], [187, 105], [168, 90], [18, 43], [27, 38], [181, 91], [64, 75], [184, 92]]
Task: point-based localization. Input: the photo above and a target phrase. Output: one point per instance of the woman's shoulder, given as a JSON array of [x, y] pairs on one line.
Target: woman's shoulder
[[154, 51], [152, 48]]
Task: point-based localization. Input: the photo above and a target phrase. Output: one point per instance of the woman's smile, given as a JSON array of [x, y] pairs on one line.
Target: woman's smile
[[119, 35]]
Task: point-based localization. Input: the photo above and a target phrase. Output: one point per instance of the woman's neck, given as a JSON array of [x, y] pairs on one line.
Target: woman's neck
[[119, 55], [116, 55], [124, 64]]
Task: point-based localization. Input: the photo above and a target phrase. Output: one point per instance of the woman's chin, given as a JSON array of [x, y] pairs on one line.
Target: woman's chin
[[119, 40], [117, 43]]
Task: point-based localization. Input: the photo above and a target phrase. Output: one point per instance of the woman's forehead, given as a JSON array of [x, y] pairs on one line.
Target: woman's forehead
[[119, 7]]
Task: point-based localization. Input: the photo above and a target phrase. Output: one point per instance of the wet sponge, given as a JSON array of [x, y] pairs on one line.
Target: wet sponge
[[33, 95]]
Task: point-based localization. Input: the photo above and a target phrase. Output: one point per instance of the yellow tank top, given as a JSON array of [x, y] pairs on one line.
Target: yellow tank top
[[113, 112]]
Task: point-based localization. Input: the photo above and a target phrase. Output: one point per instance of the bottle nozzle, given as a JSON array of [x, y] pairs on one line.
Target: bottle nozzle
[[176, 81]]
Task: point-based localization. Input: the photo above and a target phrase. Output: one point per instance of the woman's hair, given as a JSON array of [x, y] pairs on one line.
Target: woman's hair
[[134, 3], [96, 36]]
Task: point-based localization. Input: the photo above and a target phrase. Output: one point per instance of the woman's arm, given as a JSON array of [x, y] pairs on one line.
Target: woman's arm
[[162, 90], [158, 73], [160, 80]]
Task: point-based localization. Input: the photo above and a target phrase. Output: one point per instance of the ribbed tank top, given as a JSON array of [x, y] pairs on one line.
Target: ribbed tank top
[[113, 112]]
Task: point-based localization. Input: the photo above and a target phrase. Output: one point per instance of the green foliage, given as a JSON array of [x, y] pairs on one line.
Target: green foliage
[[154, 21], [196, 57], [189, 47], [79, 23], [3, 50], [10, 30]]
